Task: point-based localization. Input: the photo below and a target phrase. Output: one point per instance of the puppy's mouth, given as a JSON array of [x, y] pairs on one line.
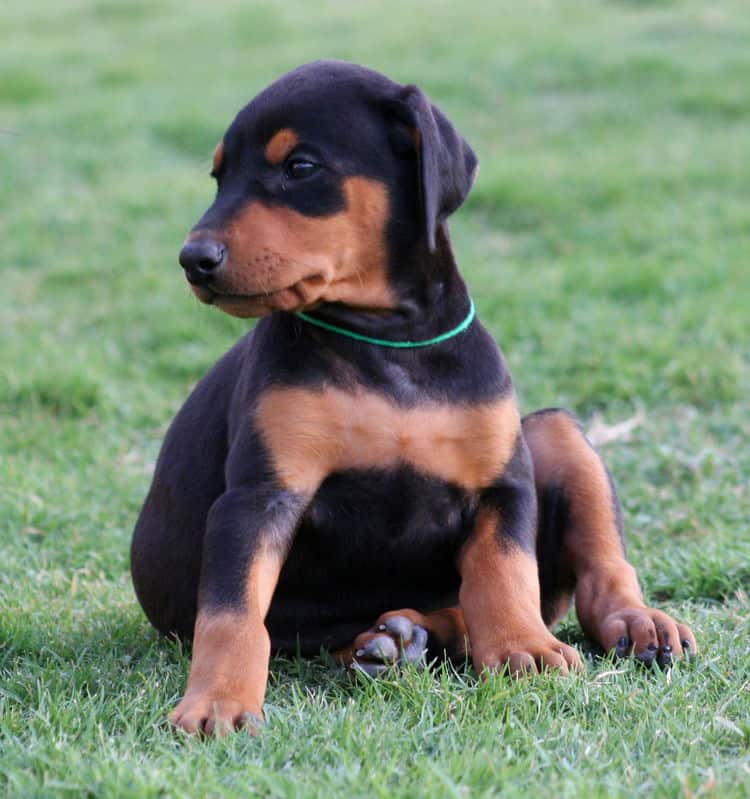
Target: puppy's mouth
[[300, 295]]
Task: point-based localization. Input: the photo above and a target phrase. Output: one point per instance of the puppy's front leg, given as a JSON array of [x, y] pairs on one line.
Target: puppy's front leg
[[500, 593], [248, 534]]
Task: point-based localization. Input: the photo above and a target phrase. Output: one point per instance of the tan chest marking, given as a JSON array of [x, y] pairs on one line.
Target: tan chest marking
[[312, 434]]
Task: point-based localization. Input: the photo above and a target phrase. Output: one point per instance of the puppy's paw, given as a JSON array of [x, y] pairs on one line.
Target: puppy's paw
[[210, 713], [531, 656], [393, 640], [650, 635]]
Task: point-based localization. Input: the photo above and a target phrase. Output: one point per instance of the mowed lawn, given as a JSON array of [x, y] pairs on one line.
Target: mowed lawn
[[607, 244]]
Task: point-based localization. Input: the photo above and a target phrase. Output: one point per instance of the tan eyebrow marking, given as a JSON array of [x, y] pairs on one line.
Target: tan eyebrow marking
[[218, 156], [280, 145]]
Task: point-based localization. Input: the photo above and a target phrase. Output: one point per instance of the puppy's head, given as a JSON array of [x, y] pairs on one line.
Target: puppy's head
[[326, 181]]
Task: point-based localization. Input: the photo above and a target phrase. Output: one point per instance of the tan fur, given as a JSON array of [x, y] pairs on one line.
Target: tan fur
[[500, 600], [449, 629], [218, 156], [562, 456], [593, 552], [280, 259], [280, 145], [231, 650], [312, 434], [499, 588]]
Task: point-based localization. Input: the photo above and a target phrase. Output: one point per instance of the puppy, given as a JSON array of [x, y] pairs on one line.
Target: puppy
[[354, 474]]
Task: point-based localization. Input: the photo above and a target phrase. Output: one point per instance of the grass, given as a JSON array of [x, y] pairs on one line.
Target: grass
[[606, 245]]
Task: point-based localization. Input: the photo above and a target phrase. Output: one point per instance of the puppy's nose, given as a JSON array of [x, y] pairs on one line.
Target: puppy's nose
[[200, 258]]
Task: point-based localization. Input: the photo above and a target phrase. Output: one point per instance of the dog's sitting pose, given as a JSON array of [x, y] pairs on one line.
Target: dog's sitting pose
[[354, 473]]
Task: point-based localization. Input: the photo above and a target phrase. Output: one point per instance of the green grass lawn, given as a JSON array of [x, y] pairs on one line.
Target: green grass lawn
[[607, 246]]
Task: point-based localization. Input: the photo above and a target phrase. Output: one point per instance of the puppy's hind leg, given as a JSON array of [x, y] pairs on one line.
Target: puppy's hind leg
[[165, 553], [580, 547]]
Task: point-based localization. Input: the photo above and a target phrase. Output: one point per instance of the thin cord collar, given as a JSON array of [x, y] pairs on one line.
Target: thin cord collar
[[383, 342]]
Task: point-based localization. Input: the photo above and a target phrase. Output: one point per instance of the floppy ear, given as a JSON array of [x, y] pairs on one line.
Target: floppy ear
[[446, 164]]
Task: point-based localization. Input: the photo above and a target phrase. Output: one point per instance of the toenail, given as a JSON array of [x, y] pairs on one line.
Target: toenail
[[665, 659], [666, 649], [623, 642], [359, 653], [685, 643], [380, 628], [652, 647]]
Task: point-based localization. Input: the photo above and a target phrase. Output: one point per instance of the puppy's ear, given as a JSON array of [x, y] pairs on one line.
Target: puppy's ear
[[445, 162]]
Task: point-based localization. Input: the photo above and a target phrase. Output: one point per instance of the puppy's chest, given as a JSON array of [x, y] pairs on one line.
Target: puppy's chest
[[365, 513], [312, 434]]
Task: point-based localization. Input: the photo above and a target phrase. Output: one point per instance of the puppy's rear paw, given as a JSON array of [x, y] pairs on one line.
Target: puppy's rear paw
[[393, 640], [649, 635]]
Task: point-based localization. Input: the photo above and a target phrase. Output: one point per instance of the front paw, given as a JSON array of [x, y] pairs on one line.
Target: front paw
[[650, 635], [528, 655], [211, 713]]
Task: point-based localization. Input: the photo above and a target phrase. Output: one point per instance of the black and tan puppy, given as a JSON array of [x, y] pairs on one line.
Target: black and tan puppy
[[358, 477]]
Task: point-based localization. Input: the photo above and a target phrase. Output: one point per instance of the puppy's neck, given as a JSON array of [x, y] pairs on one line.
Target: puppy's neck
[[431, 297]]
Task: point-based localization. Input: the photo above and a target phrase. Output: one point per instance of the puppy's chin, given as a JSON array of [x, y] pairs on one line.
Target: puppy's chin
[[241, 307], [254, 305], [203, 294]]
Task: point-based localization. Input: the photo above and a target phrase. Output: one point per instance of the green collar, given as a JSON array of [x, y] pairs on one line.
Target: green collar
[[382, 342]]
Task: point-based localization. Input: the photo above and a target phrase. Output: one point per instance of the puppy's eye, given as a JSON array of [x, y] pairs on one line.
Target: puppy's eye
[[300, 168]]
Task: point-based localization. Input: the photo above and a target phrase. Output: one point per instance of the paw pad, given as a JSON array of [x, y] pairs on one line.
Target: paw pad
[[394, 641]]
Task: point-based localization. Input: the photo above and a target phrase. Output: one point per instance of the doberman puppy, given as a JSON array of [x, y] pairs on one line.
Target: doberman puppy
[[360, 454]]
